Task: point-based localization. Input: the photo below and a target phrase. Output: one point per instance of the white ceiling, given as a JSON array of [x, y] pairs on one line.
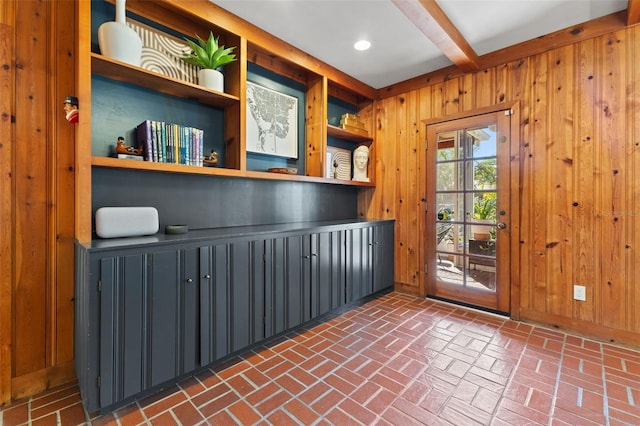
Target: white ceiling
[[327, 29]]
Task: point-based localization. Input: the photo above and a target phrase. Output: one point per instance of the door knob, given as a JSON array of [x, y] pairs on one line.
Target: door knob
[[501, 225]]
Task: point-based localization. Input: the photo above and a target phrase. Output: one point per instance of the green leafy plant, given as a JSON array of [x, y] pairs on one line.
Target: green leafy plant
[[484, 206], [208, 54]]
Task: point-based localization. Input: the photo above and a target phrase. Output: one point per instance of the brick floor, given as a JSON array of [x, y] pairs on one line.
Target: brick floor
[[396, 360]]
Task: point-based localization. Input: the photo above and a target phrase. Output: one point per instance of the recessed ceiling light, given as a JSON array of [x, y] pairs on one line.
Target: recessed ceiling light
[[362, 45]]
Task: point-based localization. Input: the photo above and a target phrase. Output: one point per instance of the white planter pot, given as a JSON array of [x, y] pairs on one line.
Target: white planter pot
[[211, 79], [481, 232], [117, 41]]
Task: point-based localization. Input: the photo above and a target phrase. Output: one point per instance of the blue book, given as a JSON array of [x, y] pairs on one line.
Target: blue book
[[145, 141]]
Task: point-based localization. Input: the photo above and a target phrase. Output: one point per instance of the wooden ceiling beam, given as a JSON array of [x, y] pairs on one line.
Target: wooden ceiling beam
[[633, 12], [594, 28], [432, 22]]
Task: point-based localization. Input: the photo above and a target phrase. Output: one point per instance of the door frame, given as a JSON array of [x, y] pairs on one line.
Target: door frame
[[515, 159]]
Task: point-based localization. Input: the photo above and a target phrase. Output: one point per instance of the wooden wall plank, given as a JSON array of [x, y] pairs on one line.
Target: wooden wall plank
[[501, 84], [412, 200], [519, 89], [485, 88], [437, 100], [610, 104], [316, 117], [32, 212], [423, 210], [7, 136], [62, 81], [402, 178], [633, 165], [467, 94], [560, 156], [538, 189], [584, 202], [451, 98]]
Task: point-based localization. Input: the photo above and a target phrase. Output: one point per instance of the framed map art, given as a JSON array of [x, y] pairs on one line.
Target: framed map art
[[272, 122]]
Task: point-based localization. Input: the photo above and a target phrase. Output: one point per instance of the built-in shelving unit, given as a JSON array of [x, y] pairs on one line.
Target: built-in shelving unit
[[229, 112]]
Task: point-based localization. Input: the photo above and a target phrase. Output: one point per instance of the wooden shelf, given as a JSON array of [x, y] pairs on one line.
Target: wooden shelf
[[347, 135], [118, 163], [120, 71], [301, 178], [162, 167]]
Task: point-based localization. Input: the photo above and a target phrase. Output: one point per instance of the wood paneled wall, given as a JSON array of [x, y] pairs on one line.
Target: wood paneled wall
[[580, 179], [37, 53]]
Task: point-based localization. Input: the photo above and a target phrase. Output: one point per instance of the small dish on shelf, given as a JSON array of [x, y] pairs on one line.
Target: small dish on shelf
[[284, 170]]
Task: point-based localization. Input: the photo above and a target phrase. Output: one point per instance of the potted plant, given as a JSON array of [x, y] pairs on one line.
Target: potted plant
[[209, 56], [484, 210]]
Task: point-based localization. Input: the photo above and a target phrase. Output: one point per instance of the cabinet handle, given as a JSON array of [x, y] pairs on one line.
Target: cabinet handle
[[206, 276], [314, 254], [305, 257], [189, 280]]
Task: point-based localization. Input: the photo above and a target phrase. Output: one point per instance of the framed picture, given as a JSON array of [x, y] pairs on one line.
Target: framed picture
[[272, 122]]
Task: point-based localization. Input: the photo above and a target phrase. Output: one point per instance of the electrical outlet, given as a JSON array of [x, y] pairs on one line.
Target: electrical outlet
[[579, 292]]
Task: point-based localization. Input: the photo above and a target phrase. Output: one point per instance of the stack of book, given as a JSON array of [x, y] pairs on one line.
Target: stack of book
[[170, 143], [352, 123]]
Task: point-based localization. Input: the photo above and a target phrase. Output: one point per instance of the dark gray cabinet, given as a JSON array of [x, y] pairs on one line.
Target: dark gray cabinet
[[150, 316], [369, 260], [383, 256], [305, 278], [153, 310]]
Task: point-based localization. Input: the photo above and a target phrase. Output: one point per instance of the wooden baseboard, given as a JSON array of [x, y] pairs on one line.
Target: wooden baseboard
[[582, 328], [407, 289], [41, 380]]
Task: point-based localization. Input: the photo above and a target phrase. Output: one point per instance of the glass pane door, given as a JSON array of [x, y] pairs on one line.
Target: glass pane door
[[466, 220]]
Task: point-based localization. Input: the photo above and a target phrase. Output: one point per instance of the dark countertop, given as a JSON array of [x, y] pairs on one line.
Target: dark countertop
[[211, 234]]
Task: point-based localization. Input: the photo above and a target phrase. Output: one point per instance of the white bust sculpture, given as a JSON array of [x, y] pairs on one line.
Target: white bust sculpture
[[360, 160]]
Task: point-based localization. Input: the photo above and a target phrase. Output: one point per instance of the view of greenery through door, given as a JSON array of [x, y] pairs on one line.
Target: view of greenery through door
[[466, 198]]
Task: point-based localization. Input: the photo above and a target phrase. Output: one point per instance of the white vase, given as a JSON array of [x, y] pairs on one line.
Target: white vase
[[117, 41], [211, 79]]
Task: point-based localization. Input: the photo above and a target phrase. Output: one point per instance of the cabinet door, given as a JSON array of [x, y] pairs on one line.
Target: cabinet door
[[383, 256], [164, 301], [276, 305], [247, 293], [214, 302], [327, 272], [288, 295], [191, 280], [359, 281], [123, 282]]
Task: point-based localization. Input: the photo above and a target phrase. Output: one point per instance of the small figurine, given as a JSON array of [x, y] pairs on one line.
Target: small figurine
[[211, 159], [121, 148], [71, 109]]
